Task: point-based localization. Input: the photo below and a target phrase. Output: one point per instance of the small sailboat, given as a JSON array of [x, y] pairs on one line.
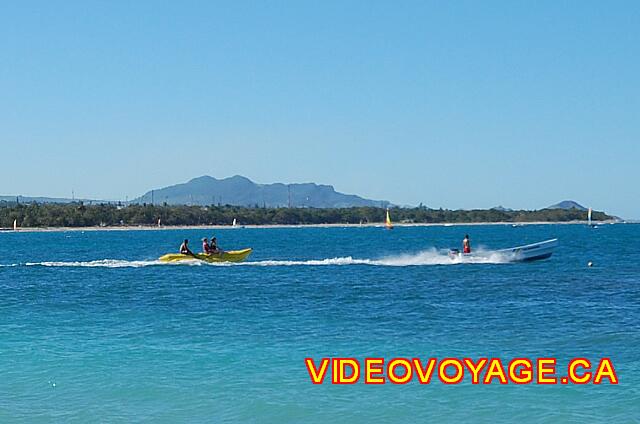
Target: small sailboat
[[387, 223], [233, 224], [15, 225], [589, 222]]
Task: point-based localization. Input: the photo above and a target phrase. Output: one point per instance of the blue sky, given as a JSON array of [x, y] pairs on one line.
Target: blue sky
[[453, 104]]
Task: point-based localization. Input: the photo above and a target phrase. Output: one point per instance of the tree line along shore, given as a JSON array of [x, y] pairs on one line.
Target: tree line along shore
[[34, 215]]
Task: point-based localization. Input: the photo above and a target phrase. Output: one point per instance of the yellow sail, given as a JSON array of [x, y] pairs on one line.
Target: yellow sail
[[388, 223]]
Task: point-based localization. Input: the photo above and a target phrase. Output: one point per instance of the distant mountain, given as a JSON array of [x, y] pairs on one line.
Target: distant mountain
[[568, 204], [501, 209], [241, 191]]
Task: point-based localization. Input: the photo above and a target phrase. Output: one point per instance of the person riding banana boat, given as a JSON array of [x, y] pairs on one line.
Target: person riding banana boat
[[213, 247], [184, 248], [210, 248], [205, 246]]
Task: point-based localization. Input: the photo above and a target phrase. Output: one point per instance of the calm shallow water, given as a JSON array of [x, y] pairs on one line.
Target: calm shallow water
[[93, 329]]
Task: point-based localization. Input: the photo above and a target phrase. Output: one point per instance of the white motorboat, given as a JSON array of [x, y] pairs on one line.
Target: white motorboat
[[529, 252]]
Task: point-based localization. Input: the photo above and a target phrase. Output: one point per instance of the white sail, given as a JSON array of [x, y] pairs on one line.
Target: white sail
[[234, 222], [15, 225], [589, 216]]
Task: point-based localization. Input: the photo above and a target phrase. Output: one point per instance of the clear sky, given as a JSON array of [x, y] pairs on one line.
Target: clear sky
[[462, 104]]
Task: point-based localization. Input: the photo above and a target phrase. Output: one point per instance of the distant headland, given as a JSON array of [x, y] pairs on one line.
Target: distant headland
[[209, 201], [58, 215]]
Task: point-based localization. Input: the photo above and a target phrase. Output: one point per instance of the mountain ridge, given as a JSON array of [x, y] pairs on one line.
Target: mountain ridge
[[241, 191], [567, 204]]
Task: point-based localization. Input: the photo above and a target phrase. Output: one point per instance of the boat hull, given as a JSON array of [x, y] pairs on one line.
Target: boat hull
[[230, 256], [532, 252]]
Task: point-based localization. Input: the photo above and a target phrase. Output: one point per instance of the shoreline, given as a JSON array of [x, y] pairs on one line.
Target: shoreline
[[268, 226]]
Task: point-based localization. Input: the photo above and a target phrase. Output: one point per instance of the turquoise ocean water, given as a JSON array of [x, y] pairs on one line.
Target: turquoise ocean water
[[92, 329]]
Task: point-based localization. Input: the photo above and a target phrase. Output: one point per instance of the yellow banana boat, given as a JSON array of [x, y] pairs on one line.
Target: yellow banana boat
[[230, 256]]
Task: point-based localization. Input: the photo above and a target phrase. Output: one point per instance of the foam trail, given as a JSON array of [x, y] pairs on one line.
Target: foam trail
[[346, 260], [424, 258], [102, 263], [114, 263], [435, 257]]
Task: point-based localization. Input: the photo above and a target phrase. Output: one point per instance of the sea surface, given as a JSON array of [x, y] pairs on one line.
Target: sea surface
[[94, 329]]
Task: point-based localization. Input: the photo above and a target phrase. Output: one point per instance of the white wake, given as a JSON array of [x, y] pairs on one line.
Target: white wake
[[424, 258], [101, 263]]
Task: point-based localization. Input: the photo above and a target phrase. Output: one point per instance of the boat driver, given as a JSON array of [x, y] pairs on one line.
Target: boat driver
[[466, 244]]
